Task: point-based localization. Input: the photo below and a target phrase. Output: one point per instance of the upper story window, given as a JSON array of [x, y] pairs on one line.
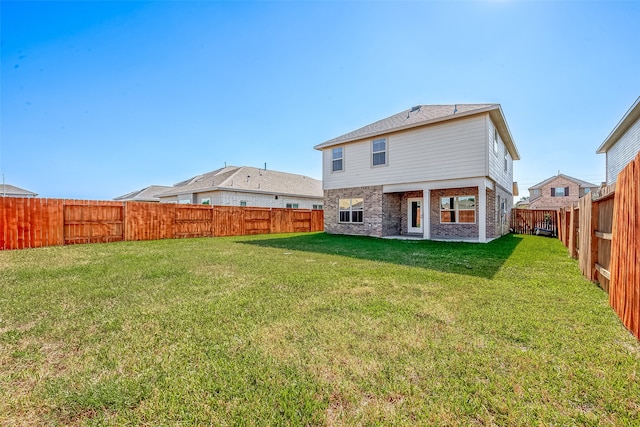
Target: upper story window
[[536, 191], [337, 159], [495, 140], [379, 150], [506, 160], [559, 191]]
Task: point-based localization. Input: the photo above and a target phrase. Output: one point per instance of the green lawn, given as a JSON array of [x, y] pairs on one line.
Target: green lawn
[[310, 329]]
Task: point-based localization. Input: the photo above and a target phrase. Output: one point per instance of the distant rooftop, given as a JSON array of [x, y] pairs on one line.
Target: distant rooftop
[[248, 179], [7, 190], [148, 194]]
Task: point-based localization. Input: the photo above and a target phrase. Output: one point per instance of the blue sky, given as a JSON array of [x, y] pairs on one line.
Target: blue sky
[[102, 98]]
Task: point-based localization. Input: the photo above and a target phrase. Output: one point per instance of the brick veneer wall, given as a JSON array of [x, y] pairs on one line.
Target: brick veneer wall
[[392, 214], [493, 218], [373, 216], [439, 230], [495, 228], [404, 214]]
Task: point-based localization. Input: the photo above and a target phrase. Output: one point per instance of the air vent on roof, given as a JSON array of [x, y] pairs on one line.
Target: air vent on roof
[[414, 109]]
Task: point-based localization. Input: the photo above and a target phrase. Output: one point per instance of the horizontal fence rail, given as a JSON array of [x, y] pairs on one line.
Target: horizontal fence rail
[[534, 221], [34, 222], [603, 233]]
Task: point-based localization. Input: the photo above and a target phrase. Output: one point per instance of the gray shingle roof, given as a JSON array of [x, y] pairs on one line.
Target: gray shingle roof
[[148, 194], [13, 191], [249, 179], [422, 115]]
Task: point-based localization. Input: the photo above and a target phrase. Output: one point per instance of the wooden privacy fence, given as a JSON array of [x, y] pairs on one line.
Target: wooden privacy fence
[[526, 221], [34, 223], [603, 232]]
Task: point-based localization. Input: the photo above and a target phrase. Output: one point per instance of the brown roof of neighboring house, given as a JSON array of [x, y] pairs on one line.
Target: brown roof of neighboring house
[[422, 115], [581, 183], [148, 194], [627, 120], [249, 179], [13, 191]]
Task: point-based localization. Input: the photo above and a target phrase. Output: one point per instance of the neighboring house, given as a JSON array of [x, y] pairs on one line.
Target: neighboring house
[[247, 186], [623, 143], [433, 171], [7, 190], [149, 194], [522, 203], [558, 192]]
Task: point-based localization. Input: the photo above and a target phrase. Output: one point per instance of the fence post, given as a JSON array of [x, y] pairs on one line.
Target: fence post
[[595, 206], [573, 232]]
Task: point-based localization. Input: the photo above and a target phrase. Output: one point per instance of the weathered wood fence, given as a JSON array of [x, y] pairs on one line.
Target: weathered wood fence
[[34, 222], [603, 232], [527, 221]]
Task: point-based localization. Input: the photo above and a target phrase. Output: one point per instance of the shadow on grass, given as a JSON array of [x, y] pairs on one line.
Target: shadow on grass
[[472, 259]]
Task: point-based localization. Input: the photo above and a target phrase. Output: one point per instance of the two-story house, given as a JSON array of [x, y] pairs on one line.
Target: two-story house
[[623, 143], [559, 191], [433, 172]]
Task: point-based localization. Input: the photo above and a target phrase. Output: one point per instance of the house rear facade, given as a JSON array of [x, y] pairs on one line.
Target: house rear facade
[[433, 172]]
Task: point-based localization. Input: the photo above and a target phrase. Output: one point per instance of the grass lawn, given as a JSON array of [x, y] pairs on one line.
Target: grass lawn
[[310, 329]]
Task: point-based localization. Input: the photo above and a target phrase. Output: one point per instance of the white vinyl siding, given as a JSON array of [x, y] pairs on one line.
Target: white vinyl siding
[[451, 150], [623, 151], [233, 198]]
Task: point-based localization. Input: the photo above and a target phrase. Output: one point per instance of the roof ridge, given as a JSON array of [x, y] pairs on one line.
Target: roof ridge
[[419, 115]]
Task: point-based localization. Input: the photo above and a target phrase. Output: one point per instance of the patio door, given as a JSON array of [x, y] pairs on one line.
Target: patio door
[[414, 212]]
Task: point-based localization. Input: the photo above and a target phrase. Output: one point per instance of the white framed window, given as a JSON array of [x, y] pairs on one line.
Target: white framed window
[[184, 201], [458, 210], [586, 190], [317, 207], [206, 201], [379, 152], [243, 203], [536, 191], [351, 210], [337, 159], [495, 140], [292, 206], [506, 160]]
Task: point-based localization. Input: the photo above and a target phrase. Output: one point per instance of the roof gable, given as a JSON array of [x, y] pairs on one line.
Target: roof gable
[[6, 189], [581, 183], [423, 115]]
